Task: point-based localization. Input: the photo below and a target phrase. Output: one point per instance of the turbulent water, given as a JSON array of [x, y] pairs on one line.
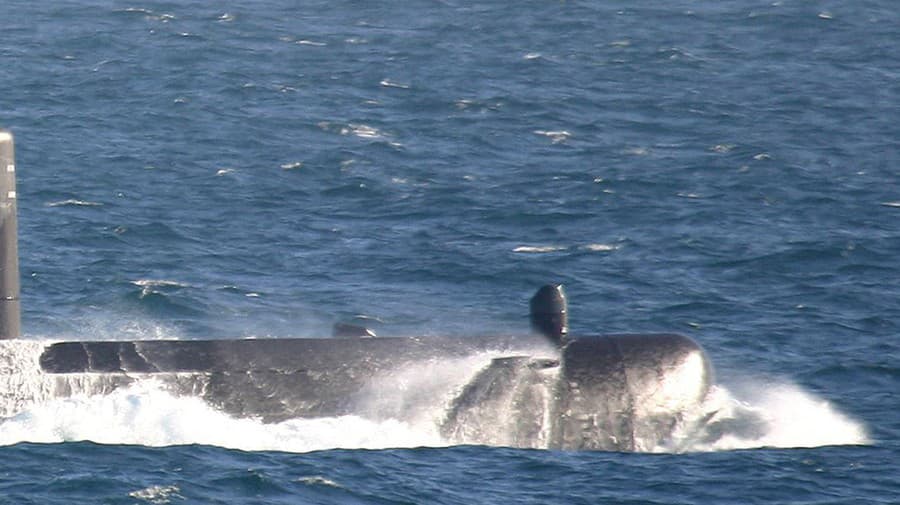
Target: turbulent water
[[728, 170]]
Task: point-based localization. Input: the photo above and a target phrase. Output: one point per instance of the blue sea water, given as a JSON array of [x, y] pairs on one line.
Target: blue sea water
[[729, 170]]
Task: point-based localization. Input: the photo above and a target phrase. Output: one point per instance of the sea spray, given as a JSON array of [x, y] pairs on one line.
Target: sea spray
[[419, 393], [21, 381], [145, 413], [755, 414], [509, 402]]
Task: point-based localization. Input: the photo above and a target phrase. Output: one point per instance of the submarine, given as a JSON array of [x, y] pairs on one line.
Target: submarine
[[541, 389]]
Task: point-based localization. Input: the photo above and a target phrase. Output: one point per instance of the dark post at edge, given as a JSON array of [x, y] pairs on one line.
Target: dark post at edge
[[9, 250]]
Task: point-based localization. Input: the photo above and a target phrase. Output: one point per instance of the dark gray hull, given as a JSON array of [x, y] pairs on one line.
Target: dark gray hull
[[616, 392]]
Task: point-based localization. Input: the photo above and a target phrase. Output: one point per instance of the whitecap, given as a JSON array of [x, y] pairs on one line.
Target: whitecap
[[722, 148], [318, 480], [292, 166], [600, 247], [74, 203], [556, 136], [155, 287], [159, 283], [362, 131], [391, 84], [157, 494], [538, 249]]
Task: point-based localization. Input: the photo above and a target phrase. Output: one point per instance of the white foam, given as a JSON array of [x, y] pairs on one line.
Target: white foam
[[601, 247], [387, 83], [550, 248], [151, 283], [722, 148], [556, 136], [157, 494], [318, 480], [157, 286], [145, 414], [420, 392], [538, 249], [21, 382], [763, 414], [362, 131], [74, 203], [292, 166]]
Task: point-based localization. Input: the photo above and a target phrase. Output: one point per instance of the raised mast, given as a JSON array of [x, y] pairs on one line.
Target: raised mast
[[10, 319]]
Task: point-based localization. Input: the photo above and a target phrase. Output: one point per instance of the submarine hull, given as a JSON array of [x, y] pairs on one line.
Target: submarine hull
[[613, 392]]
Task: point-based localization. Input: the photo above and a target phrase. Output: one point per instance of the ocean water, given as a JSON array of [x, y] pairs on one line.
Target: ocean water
[[728, 170]]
